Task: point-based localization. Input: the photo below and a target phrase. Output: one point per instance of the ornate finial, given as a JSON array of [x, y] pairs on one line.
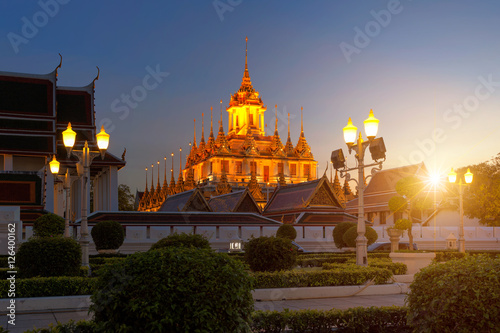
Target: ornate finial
[[301, 120], [97, 77], [203, 126], [194, 139], [180, 160], [165, 177], [246, 48], [146, 179], [288, 125], [158, 173], [124, 152], [276, 123], [221, 129]]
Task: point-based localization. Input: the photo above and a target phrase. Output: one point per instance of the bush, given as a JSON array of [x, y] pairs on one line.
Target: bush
[[460, 295], [55, 256], [174, 290], [397, 268], [182, 240], [48, 225], [50, 286], [286, 231], [108, 235], [351, 235], [373, 319], [82, 326], [338, 233], [269, 254], [443, 256], [318, 262], [346, 275]]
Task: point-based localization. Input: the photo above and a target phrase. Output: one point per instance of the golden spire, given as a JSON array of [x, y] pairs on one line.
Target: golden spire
[[164, 189], [211, 140], [171, 187], [276, 145], [246, 82], [301, 121], [180, 181], [276, 123], [302, 149], [202, 128], [152, 178], [246, 48], [145, 196], [221, 127], [194, 138], [289, 149], [221, 141]]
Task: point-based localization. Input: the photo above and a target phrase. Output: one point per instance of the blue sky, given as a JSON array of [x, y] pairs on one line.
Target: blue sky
[[429, 70]]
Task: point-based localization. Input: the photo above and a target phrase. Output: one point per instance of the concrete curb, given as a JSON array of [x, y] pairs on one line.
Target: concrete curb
[[82, 302], [279, 294]]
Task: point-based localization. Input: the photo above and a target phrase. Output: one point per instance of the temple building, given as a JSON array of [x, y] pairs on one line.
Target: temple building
[[34, 111], [245, 157]]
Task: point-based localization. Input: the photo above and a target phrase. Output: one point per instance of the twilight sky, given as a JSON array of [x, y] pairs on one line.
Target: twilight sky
[[429, 70]]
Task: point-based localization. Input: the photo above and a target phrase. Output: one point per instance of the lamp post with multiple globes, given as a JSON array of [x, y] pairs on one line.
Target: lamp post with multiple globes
[[358, 145], [85, 157], [452, 178]]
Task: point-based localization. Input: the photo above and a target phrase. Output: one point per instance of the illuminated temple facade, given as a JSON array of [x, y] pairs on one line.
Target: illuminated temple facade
[[245, 157]]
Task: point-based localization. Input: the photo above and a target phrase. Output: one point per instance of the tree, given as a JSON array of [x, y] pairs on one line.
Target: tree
[[410, 198], [126, 199], [481, 198]]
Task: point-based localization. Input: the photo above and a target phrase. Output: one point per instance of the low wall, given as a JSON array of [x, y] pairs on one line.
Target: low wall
[[311, 238]]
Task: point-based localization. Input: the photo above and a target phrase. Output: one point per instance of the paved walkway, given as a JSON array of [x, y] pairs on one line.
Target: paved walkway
[[25, 321]]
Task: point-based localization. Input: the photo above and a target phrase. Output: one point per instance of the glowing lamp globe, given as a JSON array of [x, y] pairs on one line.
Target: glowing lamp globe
[[371, 126], [102, 139], [468, 176], [452, 176], [54, 165], [69, 137], [350, 132]]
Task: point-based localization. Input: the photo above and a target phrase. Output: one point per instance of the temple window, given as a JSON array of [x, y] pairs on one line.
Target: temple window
[[293, 169], [307, 170], [239, 167]]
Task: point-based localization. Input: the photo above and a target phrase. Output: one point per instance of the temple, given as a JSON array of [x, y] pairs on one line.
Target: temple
[[245, 157]]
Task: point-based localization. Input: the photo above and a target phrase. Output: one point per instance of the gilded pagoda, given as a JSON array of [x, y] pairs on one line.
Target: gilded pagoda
[[245, 157]]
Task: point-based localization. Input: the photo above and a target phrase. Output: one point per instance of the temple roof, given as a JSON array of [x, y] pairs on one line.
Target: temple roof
[[382, 187], [192, 200], [300, 196], [233, 202]]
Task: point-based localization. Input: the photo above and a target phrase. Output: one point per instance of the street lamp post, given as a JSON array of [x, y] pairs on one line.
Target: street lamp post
[[85, 157], [377, 150], [66, 180], [452, 178]]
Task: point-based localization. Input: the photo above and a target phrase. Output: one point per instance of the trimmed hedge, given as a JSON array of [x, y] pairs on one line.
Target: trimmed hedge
[[48, 225], [448, 255], [50, 286], [82, 326], [374, 320], [182, 240], [397, 268], [318, 262], [270, 254], [49, 256], [345, 276], [174, 290], [339, 231], [351, 234], [359, 320], [286, 231], [107, 235], [460, 295]]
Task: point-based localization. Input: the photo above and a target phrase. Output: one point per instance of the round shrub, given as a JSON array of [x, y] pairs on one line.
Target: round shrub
[[461, 295], [107, 235], [48, 225], [351, 235], [269, 254], [174, 290], [49, 256], [339, 231], [286, 231], [182, 240]]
